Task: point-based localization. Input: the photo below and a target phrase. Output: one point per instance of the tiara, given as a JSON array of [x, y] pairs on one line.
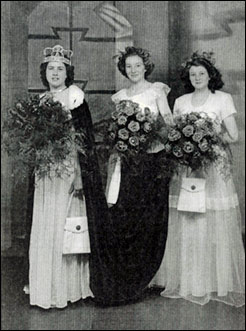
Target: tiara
[[203, 56], [57, 53]]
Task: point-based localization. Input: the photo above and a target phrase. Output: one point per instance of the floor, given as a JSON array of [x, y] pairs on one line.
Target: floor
[[151, 313]]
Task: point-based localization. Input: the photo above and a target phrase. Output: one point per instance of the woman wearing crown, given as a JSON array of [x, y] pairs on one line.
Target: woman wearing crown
[[204, 258], [55, 278]]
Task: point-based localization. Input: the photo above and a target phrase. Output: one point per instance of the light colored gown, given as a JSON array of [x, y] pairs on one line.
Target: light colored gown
[[54, 278], [204, 257]]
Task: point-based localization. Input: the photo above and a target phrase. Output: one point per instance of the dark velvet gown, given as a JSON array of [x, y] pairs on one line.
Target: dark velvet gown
[[127, 240]]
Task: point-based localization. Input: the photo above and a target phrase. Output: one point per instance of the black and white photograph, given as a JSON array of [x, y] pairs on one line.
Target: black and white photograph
[[122, 165]]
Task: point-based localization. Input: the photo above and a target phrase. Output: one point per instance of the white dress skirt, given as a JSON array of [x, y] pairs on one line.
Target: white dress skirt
[[204, 257], [54, 278]]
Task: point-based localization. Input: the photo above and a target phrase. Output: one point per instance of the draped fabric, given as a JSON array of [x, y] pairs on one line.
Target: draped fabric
[[127, 240]]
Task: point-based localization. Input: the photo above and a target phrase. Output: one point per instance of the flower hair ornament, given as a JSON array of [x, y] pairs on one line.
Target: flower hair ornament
[[208, 56], [57, 53]]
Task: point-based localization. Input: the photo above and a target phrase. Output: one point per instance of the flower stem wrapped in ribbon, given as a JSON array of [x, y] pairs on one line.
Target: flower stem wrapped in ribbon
[[39, 136], [194, 141]]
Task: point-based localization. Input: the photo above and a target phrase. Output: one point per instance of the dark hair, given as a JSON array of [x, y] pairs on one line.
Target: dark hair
[[70, 74], [205, 60], [143, 53]]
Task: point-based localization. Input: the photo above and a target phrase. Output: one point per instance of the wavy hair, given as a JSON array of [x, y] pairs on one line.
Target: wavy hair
[[129, 51], [207, 61]]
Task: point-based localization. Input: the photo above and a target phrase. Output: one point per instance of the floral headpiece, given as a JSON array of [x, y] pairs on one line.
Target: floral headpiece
[[208, 56], [57, 53]]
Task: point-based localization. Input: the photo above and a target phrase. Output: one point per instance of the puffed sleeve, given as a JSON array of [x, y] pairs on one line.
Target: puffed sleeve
[[117, 97], [228, 106], [159, 88]]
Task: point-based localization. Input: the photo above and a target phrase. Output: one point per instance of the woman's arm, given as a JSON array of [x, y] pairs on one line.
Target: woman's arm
[[164, 109], [231, 133]]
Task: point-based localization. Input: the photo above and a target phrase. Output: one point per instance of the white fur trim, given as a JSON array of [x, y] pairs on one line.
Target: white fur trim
[[75, 96]]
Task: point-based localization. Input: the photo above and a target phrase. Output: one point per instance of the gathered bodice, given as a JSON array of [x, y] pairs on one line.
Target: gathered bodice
[[147, 98], [218, 105]]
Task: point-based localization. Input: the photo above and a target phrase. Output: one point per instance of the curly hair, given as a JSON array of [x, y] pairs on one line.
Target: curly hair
[[143, 53], [205, 60], [70, 74]]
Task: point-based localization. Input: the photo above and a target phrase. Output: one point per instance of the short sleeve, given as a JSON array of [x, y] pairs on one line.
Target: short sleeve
[[159, 88], [228, 106], [117, 97]]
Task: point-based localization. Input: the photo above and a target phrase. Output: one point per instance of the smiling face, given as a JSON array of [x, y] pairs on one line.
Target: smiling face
[[56, 75], [199, 77], [135, 68]]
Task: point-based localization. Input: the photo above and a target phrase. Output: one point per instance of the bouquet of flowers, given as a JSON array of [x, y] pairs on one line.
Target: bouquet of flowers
[[131, 129], [193, 141], [39, 136]]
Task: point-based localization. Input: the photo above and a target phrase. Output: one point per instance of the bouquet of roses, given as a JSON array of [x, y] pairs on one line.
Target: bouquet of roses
[[131, 129], [39, 136], [194, 141]]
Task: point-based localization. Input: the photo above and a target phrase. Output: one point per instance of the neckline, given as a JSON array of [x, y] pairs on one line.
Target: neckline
[[132, 96], [206, 100], [58, 91]]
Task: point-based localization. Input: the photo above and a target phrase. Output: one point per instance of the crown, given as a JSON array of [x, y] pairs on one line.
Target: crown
[[204, 56], [57, 53]]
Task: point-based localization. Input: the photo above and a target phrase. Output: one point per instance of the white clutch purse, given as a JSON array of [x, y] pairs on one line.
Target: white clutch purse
[[192, 196], [76, 238]]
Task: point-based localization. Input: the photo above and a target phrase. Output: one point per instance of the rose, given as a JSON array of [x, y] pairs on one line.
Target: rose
[[147, 127], [188, 130], [147, 111], [122, 120], [193, 117], [134, 141], [200, 122], [137, 109], [140, 117], [123, 134], [112, 135], [115, 114], [134, 126], [168, 147], [143, 138], [197, 136], [129, 111], [203, 145], [177, 151], [188, 147], [121, 146], [174, 135]]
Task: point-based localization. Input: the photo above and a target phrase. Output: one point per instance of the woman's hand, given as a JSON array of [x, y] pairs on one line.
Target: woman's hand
[[77, 188]]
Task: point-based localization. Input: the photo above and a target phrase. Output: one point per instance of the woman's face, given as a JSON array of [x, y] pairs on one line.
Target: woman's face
[[56, 74], [199, 77], [135, 68]]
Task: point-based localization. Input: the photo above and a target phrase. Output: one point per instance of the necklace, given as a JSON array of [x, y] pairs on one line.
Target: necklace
[[62, 89]]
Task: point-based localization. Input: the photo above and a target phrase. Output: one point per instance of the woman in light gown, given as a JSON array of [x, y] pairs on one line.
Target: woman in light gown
[[138, 202], [54, 278], [204, 258]]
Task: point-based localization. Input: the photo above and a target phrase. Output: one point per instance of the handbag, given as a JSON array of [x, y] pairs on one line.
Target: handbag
[[76, 238], [192, 196]]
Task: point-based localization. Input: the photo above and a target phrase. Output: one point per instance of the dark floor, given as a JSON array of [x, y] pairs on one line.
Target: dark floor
[[152, 313]]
